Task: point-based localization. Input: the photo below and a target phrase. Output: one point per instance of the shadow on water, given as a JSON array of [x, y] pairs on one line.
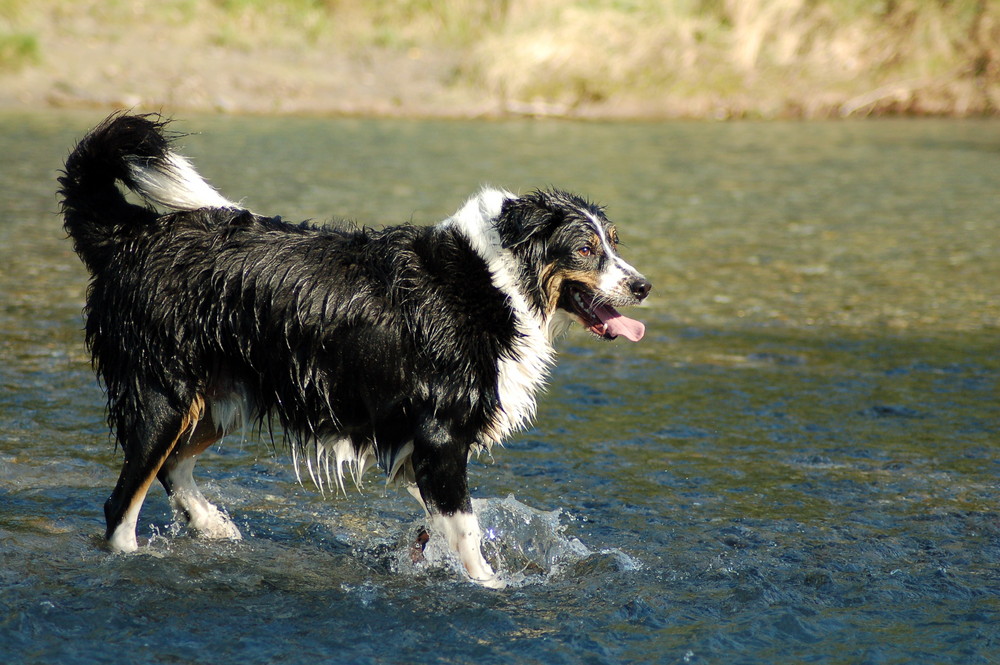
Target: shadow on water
[[797, 464]]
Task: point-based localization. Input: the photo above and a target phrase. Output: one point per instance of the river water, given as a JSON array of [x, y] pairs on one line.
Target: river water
[[798, 463]]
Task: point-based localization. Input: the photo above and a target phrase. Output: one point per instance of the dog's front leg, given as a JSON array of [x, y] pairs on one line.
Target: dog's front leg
[[462, 531], [439, 463]]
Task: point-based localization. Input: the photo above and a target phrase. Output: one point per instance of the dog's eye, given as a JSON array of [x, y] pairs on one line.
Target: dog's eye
[[586, 250]]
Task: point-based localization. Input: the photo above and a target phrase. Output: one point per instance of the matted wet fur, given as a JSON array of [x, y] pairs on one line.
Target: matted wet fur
[[408, 347]]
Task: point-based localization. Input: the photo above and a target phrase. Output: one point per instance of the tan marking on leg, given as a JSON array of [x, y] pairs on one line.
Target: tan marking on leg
[[123, 539]]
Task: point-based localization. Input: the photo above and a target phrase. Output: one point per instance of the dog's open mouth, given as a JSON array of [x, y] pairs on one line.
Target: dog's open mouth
[[602, 319]]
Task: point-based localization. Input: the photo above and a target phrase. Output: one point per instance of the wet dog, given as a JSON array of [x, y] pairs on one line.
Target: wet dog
[[408, 347]]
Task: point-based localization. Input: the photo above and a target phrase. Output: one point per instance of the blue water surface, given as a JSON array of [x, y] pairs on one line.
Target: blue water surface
[[797, 464]]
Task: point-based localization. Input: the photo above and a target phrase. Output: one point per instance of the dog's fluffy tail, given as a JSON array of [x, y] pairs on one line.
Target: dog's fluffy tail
[[133, 150]]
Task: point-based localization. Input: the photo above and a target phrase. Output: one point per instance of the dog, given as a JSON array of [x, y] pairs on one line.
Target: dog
[[408, 347]]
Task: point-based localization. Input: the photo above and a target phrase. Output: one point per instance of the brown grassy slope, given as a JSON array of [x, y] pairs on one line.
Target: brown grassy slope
[[584, 58]]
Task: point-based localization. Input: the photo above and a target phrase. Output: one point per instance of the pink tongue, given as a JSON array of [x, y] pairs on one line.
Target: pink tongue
[[617, 324]]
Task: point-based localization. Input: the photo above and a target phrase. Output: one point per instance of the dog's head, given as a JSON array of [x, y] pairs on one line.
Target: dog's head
[[568, 253]]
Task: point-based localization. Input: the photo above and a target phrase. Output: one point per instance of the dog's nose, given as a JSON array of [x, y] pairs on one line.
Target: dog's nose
[[640, 287]]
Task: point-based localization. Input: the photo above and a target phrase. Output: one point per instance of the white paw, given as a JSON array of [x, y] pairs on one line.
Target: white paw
[[215, 525]]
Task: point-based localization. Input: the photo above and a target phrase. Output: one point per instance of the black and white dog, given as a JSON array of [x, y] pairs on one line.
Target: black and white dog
[[410, 347]]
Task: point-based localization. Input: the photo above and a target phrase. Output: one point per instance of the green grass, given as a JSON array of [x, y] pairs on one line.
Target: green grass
[[18, 50]]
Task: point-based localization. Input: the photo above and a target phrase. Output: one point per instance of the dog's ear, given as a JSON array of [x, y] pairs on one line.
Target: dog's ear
[[528, 217]]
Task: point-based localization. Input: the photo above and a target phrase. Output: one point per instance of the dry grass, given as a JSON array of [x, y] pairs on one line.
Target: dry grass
[[765, 57], [718, 58]]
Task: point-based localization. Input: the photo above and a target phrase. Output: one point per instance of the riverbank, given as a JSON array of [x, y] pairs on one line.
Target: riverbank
[[460, 58]]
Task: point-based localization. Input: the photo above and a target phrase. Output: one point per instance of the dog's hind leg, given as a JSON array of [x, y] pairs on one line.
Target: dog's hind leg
[[147, 443], [203, 518]]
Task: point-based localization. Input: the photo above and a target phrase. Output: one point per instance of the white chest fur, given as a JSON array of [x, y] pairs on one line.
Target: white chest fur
[[522, 373]]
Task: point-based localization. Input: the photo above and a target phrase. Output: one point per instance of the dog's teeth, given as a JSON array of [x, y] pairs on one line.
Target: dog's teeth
[[578, 299]]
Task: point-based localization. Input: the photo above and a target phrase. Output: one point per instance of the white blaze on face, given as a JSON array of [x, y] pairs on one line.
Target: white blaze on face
[[617, 271]]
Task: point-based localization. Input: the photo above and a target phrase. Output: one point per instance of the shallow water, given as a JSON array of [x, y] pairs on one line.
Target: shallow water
[[799, 462]]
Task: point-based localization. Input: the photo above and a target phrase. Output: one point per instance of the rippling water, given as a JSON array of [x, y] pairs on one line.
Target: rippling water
[[799, 462]]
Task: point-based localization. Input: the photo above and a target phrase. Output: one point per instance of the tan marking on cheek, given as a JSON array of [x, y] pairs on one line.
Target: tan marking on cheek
[[551, 285], [586, 277], [553, 279]]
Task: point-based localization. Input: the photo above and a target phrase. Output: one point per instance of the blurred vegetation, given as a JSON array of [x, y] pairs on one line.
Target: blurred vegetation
[[693, 57], [17, 48]]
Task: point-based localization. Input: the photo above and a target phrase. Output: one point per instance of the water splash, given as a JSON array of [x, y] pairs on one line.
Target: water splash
[[524, 545]]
